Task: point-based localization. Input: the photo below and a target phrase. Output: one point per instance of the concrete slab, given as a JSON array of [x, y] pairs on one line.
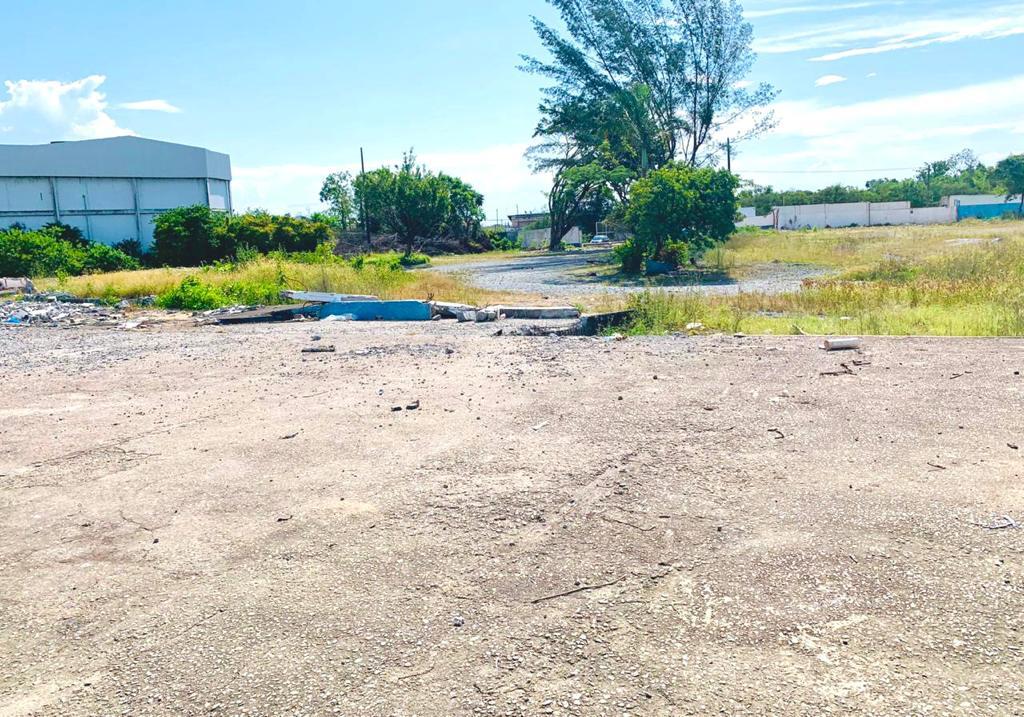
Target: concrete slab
[[536, 312], [378, 310], [316, 297]]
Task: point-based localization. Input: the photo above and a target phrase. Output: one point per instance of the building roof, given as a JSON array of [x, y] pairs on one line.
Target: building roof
[[528, 215], [113, 158]]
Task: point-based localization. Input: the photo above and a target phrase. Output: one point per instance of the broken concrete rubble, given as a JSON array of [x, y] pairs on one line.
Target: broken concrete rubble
[[16, 286], [479, 316], [58, 313]]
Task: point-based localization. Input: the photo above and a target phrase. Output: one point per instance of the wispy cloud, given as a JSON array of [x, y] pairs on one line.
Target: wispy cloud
[[826, 80], [52, 109], [807, 9], [150, 106], [905, 131], [889, 33]]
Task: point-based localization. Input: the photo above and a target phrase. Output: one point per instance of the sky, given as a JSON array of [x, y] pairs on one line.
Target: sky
[[293, 90]]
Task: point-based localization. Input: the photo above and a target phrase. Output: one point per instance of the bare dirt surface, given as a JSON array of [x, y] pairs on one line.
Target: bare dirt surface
[[208, 521], [568, 275]]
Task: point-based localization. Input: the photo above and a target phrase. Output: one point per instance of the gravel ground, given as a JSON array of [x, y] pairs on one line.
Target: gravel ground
[[566, 276], [208, 521]]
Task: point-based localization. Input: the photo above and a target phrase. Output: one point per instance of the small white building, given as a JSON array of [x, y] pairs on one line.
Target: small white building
[[111, 189]]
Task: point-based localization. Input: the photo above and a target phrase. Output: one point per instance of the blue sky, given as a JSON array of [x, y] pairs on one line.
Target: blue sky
[[292, 90]]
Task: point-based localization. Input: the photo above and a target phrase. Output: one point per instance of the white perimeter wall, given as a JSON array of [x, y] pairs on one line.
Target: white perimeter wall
[[820, 216]]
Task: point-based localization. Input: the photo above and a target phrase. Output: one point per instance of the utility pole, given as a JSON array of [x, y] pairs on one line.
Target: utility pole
[[366, 218], [728, 155]]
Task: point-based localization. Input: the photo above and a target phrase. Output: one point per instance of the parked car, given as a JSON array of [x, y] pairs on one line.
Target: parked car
[[601, 239]]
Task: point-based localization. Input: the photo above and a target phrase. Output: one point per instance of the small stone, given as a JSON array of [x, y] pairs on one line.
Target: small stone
[[458, 621]]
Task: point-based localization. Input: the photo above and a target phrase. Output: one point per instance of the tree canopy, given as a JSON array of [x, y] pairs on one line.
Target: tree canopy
[[679, 211], [639, 84], [413, 202], [962, 173], [1010, 174], [337, 193]]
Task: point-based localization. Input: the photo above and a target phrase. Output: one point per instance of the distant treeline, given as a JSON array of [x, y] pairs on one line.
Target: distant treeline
[[962, 173]]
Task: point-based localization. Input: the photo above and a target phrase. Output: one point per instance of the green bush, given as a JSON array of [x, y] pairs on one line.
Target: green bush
[[192, 295], [47, 253], [196, 235], [681, 210], [631, 256]]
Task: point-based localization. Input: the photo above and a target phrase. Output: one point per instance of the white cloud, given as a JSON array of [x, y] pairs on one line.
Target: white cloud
[[150, 106], [802, 9], [871, 36], [499, 172], [896, 132], [51, 109], [826, 80]]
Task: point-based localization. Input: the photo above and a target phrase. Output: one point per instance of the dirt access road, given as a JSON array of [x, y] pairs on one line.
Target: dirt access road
[[568, 275], [207, 521]]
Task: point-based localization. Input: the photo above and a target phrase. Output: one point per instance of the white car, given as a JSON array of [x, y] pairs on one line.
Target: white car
[[601, 239]]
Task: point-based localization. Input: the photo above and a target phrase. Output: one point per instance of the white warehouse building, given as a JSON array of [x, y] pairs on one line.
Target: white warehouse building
[[111, 189]]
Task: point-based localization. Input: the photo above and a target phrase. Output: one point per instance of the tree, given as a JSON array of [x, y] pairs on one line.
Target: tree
[[337, 193], [1010, 174], [407, 200], [466, 212], [638, 84], [681, 210]]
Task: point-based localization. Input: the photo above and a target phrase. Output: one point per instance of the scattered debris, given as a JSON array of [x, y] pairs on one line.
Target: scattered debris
[[844, 344], [1005, 523], [413, 406], [1013, 446], [694, 326], [955, 376], [319, 350], [779, 435], [541, 426], [845, 370], [59, 313], [290, 436], [458, 621], [285, 519], [575, 591]]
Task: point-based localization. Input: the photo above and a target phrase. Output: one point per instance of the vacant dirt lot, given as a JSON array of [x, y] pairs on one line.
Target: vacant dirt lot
[[207, 521]]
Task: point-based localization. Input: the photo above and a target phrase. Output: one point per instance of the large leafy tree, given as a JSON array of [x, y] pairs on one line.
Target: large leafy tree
[[638, 84], [1010, 174], [680, 208], [407, 200]]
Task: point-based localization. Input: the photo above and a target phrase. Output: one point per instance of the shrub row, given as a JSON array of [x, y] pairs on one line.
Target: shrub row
[[57, 250]]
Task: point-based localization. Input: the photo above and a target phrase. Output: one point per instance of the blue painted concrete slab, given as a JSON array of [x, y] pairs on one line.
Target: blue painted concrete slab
[[378, 310]]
